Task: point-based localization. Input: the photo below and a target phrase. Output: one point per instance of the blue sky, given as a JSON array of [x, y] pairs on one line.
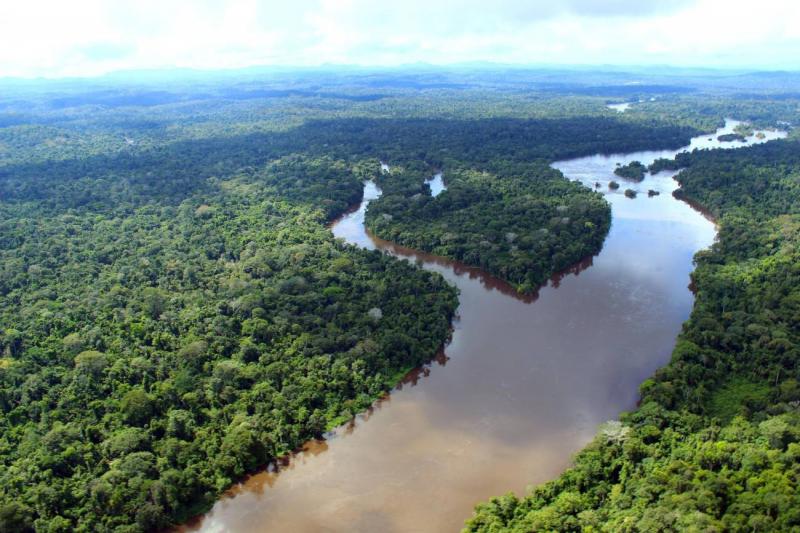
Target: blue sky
[[89, 37]]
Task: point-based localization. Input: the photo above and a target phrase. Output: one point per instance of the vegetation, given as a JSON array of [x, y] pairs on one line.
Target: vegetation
[[715, 442], [730, 137], [522, 223], [634, 170], [744, 129], [174, 313], [176, 317], [505, 209], [763, 184], [663, 164], [761, 107]]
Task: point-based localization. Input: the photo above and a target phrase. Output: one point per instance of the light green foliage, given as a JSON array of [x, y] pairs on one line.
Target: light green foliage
[[175, 317], [505, 209], [520, 222], [715, 444], [175, 312]]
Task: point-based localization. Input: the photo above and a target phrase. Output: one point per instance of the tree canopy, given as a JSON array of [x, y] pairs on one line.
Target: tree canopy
[[715, 442]]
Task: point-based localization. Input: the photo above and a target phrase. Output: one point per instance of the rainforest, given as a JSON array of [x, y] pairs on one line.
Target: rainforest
[[218, 292]]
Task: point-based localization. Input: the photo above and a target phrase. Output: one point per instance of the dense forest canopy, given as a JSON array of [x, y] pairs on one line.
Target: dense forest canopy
[[634, 170], [521, 222], [159, 342], [715, 442], [175, 313]]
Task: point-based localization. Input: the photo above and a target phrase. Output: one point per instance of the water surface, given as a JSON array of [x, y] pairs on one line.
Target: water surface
[[620, 108], [436, 183], [523, 385]]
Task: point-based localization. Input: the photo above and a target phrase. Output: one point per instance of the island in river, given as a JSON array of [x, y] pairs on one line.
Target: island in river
[[523, 384], [714, 443], [634, 171], [176, 313]]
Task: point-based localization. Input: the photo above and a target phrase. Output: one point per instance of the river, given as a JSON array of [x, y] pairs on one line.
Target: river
[[522, 386], [436, 183]]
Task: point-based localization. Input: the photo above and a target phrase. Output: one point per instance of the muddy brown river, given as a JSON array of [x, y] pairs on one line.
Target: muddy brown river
[[522, 386]]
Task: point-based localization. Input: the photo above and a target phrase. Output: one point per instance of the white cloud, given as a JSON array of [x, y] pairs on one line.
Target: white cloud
[[85, 37]]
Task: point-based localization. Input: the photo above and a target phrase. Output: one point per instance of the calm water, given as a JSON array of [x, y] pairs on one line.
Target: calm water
[[436, 183], [620, 108], [523, 385]]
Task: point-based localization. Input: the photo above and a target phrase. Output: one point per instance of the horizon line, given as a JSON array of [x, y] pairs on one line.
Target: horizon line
[[476, 65]]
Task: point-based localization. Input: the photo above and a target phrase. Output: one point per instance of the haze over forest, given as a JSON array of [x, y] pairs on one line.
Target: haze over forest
[[429, 265], [90, 37]]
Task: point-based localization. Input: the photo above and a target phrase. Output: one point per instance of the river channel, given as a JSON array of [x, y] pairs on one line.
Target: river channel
[[524, 383]]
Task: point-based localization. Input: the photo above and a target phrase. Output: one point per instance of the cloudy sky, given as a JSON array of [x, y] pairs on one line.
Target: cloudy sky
[[88, 37]]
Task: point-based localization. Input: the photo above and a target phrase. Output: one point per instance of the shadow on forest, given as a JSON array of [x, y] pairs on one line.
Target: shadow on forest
[[185, 166]]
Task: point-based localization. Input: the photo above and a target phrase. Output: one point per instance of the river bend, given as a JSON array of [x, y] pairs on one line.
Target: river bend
[[522, 386]]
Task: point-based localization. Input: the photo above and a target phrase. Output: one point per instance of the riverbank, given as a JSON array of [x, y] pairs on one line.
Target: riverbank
[[525, 384], [715, 441]]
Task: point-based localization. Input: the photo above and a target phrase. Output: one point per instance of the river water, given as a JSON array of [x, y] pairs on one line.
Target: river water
[[522, 386], [436, 183], [620, 108]]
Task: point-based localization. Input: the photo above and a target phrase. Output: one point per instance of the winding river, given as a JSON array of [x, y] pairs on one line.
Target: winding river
[[522, 386]]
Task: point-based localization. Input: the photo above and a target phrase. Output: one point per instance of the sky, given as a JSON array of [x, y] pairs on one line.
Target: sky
[[59, 38]]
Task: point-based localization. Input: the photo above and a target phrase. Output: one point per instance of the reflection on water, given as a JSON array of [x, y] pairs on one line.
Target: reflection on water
[[600, 169], [619, 108], [524, 387], [436, 183]]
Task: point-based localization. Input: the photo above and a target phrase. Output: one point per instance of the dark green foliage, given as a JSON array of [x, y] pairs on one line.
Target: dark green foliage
[[663, 164], [765, 182], [661, 471], [505, 209], [521, 222], [715, 444], [220, 332], [175, 318], [15, 518], [706, 111], [634, 170], [730, 137], [174, 312], [729, 399]]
